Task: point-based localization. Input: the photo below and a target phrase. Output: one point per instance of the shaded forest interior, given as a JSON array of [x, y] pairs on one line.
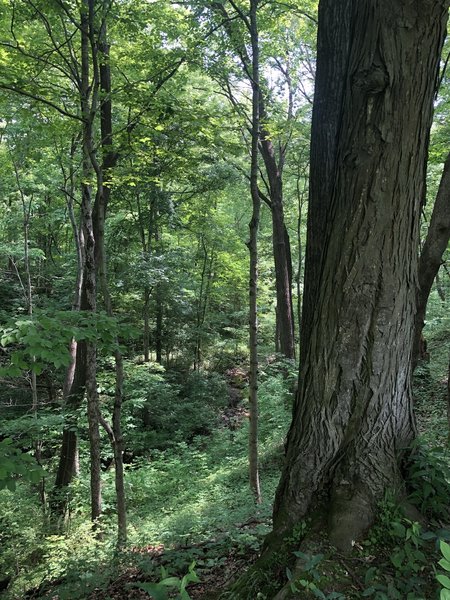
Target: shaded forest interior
[[224, 315]]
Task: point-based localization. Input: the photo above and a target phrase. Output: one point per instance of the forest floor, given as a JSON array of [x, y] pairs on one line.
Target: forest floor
[[220, 560], [190, 503], [395, 562], [215, 578]]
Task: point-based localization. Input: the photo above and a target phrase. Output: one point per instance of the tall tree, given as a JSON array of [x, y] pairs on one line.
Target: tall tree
[[433, 250], [253, 250], [376, 77], [274, 157]]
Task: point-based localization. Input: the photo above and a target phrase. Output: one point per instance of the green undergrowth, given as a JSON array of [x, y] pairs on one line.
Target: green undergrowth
[[189, 495], [189, 500], [430, 377], [400, 560]]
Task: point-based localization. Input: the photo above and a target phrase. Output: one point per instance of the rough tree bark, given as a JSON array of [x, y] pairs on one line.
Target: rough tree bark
[[431, 256], [376, 76]]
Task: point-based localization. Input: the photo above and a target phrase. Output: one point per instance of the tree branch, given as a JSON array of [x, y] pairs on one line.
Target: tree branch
[[22, 92]]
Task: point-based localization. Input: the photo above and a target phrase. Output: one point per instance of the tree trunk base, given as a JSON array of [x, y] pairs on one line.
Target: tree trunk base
[[352, 514]]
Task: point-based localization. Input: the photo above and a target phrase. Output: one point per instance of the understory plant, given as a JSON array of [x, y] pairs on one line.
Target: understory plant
[[160, 590]]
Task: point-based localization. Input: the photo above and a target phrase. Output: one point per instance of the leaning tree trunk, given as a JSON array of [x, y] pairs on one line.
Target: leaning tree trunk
[[376, 74], [431, 257], [74, 380]]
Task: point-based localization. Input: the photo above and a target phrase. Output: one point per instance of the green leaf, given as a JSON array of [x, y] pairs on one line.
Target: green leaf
[[443, 580], [370, 575], [445, 549], [191, 577], [153, 589], [445, 564], [398, 529], [170, 582], [445, 594], [428, 535], [397, 559]]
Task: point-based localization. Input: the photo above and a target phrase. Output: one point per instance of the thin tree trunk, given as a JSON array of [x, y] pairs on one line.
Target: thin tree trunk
[[281, 248], [102, 200], [300, 202], [68, 465], [159, 325], [146, 333], [431, 256], [274, 169], [74, 381], [26, 210], [90, 283], [146, 248], [159, 298], [253, 249], [198, 324], [448, 404]]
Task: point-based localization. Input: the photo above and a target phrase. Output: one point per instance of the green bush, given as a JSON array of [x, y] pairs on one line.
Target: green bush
[[162, 410], [428, 477]]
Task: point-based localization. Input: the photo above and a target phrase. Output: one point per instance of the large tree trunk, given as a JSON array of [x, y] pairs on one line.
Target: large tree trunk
[[333, 45], [376, 75], [431, 256]]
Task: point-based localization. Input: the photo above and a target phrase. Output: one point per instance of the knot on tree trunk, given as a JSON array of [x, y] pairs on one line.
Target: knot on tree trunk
[[371, 81]]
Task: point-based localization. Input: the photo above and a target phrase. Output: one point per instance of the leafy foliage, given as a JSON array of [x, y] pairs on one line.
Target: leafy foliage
[[14, 462], [158, 591]]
